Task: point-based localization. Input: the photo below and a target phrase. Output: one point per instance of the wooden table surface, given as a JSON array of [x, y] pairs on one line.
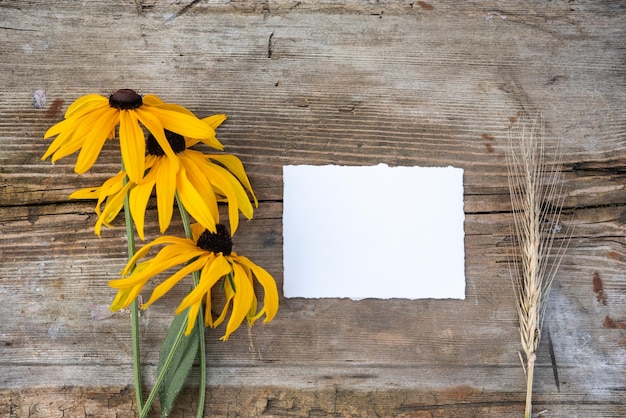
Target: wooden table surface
[[312, 82]]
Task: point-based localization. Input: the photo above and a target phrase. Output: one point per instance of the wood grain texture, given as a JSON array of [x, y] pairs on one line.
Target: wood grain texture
[[357, 83]]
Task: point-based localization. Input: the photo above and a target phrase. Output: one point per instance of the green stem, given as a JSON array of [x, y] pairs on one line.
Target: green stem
[[164, 369], [196, 279], [134, 309], [157, 385]]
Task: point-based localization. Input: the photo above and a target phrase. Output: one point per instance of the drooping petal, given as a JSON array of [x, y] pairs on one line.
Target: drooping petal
[[121, 299], [95, 140], [86, 193], [167, 258], [110, 187], [138, 201], [165, 190], [132, 145], [270, 298], [235, 166], [225, 184], [208, 315], [229, 294], [71, 134], [193, 161], [192, 314], [182, 242], [241, 302], [59, 127], [75, 137], [252, 314], [171, 281], [236, 196], [126, 296], [216, 267], [194, 203], [113, 207]]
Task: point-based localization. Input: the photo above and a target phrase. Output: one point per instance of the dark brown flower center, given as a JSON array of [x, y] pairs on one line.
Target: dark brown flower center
[[177, 142], [125, 99], [219, 242]]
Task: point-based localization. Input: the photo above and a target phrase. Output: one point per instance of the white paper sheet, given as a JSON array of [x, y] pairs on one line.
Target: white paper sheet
[[373, 232]]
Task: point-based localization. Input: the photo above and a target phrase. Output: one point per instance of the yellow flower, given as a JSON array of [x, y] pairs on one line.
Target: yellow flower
[[200, 180], [210, 253], [91, 119]]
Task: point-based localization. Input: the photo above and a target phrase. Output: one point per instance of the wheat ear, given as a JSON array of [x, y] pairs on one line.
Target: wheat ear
[[535, 186]]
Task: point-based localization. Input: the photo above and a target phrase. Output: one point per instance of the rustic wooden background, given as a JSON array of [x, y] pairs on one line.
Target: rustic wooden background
[[313, 82]]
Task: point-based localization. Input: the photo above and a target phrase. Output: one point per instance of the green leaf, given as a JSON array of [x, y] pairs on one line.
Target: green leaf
[[180, 351]]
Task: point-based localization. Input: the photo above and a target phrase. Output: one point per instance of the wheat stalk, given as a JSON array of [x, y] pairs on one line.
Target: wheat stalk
[[535, 186]]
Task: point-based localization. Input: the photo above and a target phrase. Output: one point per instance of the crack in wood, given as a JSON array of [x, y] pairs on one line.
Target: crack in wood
[[270, 46], [553, 360], [184, 10], [615, 167], [17, 29]]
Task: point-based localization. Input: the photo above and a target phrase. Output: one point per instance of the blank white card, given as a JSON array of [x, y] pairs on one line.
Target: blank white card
[[373, 232]]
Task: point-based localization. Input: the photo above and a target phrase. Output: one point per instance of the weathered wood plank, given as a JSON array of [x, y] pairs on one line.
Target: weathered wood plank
[[421, 83], [267, 401]]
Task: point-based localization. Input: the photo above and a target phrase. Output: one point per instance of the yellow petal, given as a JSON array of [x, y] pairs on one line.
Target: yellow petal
[[165, 190], [72, 131], [75, 137], [229, 293], [208, 314], [191, 317], [125, 297], [194, 203], [215, 268], [119, 301], [110, 187], [176, 108], [270, 299], [193, 162], [85, 104], [86, 193], [252, 314], [132, 145], [66, 134], [241, 302], [115, 204], [196, 231], [215, 120], [156, 129], [236, 196], [186, 125], [113, 207], [151, 100], [235, 166], [95, 140], [59, 127], [171, 281], [167, 258], [181, 242], [138, 201]]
